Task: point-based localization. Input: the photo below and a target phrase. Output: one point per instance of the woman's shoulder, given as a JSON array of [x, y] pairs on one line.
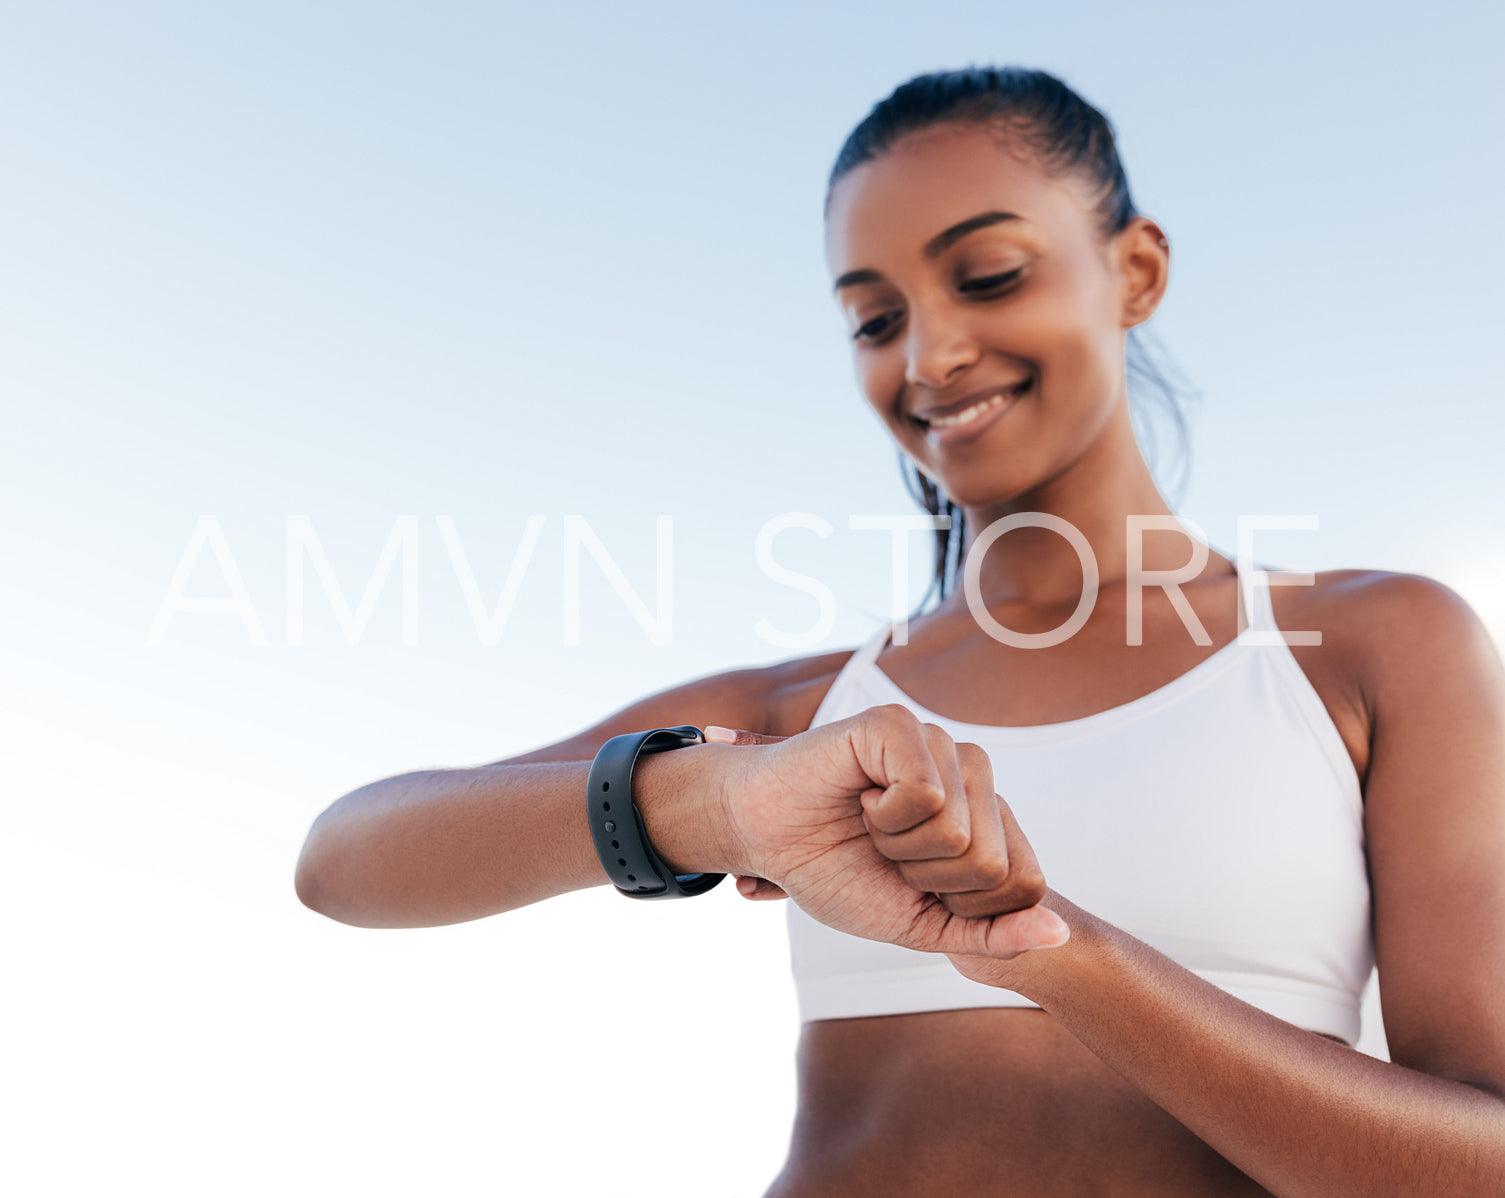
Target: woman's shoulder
[[1383, 629], [1379, 609], [1377, 585], [1371, 642]]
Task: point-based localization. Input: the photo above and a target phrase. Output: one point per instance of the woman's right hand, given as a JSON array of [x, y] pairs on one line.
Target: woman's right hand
[[882, 826]]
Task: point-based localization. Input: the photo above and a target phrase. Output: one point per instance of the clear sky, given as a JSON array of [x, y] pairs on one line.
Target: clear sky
[[483, 273]]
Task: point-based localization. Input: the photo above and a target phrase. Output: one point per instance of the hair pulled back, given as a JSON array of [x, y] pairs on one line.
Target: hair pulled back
[[1069, 137]]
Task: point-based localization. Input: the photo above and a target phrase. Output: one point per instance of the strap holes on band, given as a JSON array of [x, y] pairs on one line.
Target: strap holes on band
[[606, 786], [605, 806], [615, 845], [621, 860], [630, 878]]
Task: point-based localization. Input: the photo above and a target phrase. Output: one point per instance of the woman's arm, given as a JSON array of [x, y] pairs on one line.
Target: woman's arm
[[1303, 1115], [444, 846]]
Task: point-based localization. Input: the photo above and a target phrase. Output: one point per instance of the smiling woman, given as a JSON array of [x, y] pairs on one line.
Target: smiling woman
[[1049, 131], [1068, 914]]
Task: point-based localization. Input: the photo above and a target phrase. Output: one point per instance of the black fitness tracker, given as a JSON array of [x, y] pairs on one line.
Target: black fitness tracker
[[617, 828]]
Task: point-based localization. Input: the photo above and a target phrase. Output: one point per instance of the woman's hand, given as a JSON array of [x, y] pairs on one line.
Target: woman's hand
[[884, 827]]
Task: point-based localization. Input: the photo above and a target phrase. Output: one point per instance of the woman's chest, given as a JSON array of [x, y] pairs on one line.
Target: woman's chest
[[1228, 839], [953, 671]]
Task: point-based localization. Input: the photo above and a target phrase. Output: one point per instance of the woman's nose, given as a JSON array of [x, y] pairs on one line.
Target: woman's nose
[[937, 350]]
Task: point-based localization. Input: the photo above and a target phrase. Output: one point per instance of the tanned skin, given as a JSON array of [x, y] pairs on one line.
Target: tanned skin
[[1135, 1077]]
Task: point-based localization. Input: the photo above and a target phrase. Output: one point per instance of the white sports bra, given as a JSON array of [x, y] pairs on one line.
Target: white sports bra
[[1219, 819]]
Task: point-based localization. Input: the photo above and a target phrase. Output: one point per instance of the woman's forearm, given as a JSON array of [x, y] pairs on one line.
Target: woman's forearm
[[445, 846], [1304, 1116]]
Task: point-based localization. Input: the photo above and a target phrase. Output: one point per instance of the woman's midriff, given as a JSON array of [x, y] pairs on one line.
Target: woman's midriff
[[981, 1103]]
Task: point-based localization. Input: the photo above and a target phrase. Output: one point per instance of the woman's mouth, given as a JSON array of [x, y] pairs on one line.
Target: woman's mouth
[[971, 422]]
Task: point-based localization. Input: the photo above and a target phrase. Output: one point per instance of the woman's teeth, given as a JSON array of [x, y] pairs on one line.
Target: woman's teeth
[[967, 415]]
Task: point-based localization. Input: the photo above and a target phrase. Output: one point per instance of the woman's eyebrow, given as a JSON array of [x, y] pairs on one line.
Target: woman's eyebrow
[[935, 247]]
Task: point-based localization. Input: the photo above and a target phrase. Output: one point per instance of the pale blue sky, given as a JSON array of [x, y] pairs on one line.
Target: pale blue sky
[[358, 261]]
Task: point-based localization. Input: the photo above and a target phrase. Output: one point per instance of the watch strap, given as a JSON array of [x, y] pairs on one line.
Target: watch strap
[[621, 840]]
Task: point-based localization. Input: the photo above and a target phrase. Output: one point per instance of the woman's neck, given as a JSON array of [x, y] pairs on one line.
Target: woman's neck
[[1095, 496]]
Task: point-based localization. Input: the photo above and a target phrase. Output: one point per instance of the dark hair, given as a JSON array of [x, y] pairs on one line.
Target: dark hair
[[1068, 136]]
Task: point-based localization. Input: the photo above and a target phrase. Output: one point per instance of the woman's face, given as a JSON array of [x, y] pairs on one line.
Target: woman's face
[[987, 313]]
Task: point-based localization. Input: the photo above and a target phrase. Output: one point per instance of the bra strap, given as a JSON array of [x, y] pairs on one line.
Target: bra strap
[[868, 651], [1256, 608]]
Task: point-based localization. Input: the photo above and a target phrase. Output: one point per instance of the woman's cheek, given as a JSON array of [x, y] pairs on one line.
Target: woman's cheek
[[882, 385]]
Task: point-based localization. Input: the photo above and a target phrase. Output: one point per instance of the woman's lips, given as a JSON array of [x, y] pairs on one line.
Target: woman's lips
[[972, 423]]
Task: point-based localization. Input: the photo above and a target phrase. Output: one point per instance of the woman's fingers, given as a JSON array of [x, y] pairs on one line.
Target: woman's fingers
[[717, 735], [983, 868], [945, 827], [1026, 878], [921, 819], [959, 855], [1022, 887], [987, 880]]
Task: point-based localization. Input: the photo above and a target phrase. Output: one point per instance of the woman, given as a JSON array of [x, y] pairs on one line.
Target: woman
[[1074, 910]]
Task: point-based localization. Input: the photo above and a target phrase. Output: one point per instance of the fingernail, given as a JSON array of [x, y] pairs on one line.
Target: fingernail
[[715, 732], [1056, 935]]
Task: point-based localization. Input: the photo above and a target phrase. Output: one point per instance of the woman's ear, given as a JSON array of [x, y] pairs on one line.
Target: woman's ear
[[1144, 255]]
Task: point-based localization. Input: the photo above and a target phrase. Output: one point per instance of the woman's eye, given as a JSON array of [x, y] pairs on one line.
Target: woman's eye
[[991, 282], [873, 328]]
